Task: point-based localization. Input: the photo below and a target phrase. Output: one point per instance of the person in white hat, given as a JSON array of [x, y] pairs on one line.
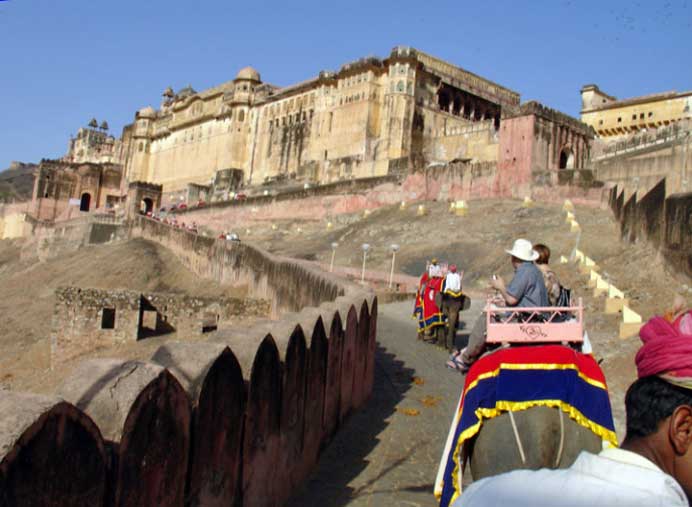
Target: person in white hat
[[526, 289]]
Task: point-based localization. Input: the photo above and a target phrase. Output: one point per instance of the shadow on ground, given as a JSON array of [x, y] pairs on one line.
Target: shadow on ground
[[347, 456]]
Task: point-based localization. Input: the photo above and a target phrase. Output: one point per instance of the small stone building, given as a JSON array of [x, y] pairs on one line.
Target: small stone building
[[87, 319]]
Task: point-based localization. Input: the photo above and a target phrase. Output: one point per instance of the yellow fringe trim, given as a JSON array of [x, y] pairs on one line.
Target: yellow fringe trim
[[505, 406]]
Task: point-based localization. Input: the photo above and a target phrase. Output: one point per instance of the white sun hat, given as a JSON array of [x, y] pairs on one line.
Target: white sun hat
[[523, 250]]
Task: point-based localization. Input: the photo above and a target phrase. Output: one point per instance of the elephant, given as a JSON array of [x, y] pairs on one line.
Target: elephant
[[547, 438]]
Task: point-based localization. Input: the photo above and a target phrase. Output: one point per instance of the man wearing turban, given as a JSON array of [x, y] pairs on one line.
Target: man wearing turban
[[653, 467]]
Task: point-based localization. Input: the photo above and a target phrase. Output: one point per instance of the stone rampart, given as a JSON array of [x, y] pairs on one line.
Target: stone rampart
[[289, 284], [49, 239], [638, 164], [415, 182], [238, 419], [300, 194], [664, 220]]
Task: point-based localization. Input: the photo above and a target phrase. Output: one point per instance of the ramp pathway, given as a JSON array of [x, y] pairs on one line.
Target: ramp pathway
[[387, 453]]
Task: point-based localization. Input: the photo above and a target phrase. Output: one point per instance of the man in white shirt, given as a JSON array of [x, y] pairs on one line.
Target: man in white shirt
[[452, 300], [653, 466], [434, 270]]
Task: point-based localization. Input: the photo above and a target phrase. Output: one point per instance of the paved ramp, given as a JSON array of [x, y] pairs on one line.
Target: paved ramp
[[387, 454]]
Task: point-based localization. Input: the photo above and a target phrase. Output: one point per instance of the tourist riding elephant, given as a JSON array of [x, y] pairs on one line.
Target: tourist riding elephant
[[546, 437]]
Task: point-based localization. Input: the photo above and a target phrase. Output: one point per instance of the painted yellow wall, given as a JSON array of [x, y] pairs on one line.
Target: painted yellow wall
[[636, 115]]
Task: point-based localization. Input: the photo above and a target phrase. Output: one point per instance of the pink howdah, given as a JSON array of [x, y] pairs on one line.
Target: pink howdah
[[534, 325]]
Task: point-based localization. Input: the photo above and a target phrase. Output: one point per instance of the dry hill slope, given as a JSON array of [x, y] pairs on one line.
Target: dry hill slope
[[27, 292]]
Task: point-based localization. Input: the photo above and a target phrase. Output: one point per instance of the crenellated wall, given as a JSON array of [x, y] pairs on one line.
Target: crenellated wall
[[664, 220], [237, 420]]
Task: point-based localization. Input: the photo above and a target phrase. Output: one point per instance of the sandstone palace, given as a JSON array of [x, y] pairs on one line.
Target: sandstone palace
[[364, 120], [407, 113]]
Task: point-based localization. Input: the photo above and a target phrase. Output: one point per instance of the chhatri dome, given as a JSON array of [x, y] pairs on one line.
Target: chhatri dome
[[248, 73], [146, 112]]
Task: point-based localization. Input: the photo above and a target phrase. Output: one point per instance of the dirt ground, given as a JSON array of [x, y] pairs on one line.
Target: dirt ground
[[476, 243], [27, 298]]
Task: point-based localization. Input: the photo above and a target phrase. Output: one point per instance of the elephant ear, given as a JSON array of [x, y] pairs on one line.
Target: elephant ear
[[467, 303]]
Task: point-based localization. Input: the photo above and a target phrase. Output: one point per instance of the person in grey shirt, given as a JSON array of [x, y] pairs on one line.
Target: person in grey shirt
[[526, 289]]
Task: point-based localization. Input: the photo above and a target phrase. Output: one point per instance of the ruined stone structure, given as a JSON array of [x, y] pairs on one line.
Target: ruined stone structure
[[359, 121], [94, 145], [613, 118], [63, 189], [86, 319]]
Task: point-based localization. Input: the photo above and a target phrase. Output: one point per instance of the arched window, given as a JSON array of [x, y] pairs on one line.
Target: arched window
[[241, 115], [400, 86], [85, 202], [147, 205], [566, 159]]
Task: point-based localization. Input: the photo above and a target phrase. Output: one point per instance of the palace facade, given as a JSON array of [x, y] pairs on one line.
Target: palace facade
[[370, 117], [614, 118]]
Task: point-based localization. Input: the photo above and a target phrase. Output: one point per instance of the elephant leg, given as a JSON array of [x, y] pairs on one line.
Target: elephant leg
[[452, 319]]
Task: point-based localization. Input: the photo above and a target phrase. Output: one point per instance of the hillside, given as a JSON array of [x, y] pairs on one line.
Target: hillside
[[27, 297], [17, 182]]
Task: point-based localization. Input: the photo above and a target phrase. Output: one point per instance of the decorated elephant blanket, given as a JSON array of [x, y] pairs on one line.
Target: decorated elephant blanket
[[518, 378], [427, 312]]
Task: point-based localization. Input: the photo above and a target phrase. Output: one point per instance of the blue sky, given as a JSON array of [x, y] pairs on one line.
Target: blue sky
[[63, 62]]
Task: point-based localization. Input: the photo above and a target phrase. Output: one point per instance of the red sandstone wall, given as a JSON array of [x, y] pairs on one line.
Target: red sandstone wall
[[515, 157]]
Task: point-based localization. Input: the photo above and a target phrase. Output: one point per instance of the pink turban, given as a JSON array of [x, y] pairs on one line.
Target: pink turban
[[666, 350]]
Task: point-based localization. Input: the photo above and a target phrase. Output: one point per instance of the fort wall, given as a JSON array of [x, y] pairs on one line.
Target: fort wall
[[265, 399], [639, 163], [447, 182], [664, 220]]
